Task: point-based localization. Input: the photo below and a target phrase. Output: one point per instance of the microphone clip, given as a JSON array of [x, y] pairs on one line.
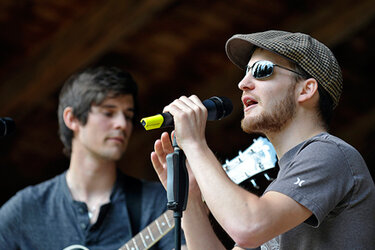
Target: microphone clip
[[177, 179]]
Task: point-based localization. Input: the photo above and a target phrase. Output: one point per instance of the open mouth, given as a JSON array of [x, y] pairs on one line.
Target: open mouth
[[248, 101]]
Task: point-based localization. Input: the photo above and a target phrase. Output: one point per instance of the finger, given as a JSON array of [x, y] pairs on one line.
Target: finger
[[175, 106], [166, 143], [159, 151], [159, 168], [193, 105], [195, 99], [179, 106], [173, 134]]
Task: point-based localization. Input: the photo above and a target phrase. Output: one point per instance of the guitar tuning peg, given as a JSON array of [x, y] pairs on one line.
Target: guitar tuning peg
[[260, 165], [254, 184], [268, 177]]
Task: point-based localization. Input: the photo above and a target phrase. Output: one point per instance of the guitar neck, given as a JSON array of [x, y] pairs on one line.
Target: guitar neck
[[152, 233]]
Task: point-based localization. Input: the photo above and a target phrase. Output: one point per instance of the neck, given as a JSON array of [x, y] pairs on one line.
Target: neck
[[89, 177], [295, 132]]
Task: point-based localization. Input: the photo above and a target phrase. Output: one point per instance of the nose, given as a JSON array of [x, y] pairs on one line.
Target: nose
[[120, 122], [246, 83]]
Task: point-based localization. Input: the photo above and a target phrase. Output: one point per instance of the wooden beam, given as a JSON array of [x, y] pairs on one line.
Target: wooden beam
[[358, 131], [71, 48], [334, 22]]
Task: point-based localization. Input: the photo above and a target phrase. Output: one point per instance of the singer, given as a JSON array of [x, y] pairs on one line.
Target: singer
[[323, 197]]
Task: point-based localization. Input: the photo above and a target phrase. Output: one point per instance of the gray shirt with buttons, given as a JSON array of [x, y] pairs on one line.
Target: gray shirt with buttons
[[46, 217]]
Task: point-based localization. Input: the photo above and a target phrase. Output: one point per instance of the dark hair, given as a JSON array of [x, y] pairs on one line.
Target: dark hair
[[92, 86], [325, 106]]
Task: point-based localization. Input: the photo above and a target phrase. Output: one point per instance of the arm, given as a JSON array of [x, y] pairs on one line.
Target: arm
[[250, 220], [199, 233], [197, 227]]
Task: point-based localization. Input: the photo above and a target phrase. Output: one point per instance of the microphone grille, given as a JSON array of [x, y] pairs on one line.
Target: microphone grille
[[224, 106], [227, 105]]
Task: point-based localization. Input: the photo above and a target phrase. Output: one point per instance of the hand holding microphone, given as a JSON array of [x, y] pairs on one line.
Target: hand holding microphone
[[217, 108]]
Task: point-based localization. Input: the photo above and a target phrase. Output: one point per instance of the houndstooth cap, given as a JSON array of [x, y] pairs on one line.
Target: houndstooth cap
[[310, 54]]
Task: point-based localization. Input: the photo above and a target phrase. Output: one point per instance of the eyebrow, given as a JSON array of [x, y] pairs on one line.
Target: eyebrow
[[111, 106]]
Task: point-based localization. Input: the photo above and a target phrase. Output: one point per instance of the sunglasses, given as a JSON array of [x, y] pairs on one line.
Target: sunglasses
[[263, 69]]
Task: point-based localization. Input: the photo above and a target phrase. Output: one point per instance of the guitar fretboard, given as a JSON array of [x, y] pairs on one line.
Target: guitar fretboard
[[152, 233]]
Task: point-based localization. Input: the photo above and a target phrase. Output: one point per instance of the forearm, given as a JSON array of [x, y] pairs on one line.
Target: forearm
[[236, 209], [249, 220], [197, 227]]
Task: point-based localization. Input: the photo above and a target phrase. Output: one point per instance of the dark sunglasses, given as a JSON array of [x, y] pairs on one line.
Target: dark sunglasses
[[263, 69]]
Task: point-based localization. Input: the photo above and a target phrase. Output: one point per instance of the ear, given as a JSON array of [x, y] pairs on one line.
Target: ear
[[70, 120], [308, 90]]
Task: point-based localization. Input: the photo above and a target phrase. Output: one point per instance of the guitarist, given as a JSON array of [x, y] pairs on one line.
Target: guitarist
[[92, 204], [323, 196]]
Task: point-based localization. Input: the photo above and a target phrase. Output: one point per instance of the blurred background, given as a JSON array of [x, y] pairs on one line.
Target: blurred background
[[172, 48]]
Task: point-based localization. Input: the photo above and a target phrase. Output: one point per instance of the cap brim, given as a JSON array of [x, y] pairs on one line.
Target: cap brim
[[239, 50]]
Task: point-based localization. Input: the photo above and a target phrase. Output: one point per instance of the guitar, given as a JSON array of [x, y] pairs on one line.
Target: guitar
[[147, 237], [257, 160], [254, 168]]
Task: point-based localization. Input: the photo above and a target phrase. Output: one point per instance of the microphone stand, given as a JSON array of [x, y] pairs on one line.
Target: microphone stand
[[177, 187]]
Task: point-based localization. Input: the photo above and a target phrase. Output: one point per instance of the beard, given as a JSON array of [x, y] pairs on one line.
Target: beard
[[274, 120]]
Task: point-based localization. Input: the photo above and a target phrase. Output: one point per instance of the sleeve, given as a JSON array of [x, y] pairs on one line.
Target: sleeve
[[319, 178], [10, 220]]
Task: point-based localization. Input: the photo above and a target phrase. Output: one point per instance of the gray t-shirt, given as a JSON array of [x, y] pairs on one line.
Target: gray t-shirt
[[46, 217], [331, 179]]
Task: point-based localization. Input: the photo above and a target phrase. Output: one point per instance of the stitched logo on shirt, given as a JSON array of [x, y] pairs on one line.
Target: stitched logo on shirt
[[299, 182]]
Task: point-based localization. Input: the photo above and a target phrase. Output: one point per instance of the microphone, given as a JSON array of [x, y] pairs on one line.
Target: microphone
[[7, 126], [217, 107]]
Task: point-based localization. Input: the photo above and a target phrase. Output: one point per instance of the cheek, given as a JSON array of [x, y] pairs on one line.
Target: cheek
[[99, 130], [270, 97], [274, 95]]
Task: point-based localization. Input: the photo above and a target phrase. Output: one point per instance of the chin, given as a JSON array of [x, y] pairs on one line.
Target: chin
[[114, 155], [246, 125], [253, 124]]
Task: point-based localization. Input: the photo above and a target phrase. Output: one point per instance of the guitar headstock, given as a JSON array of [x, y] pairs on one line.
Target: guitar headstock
[[258, 158]]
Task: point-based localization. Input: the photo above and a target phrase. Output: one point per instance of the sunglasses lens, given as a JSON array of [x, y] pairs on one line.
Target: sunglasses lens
[[262, 69]]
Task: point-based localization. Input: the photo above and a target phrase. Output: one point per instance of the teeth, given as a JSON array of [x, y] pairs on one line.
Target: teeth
[[248, 101]]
